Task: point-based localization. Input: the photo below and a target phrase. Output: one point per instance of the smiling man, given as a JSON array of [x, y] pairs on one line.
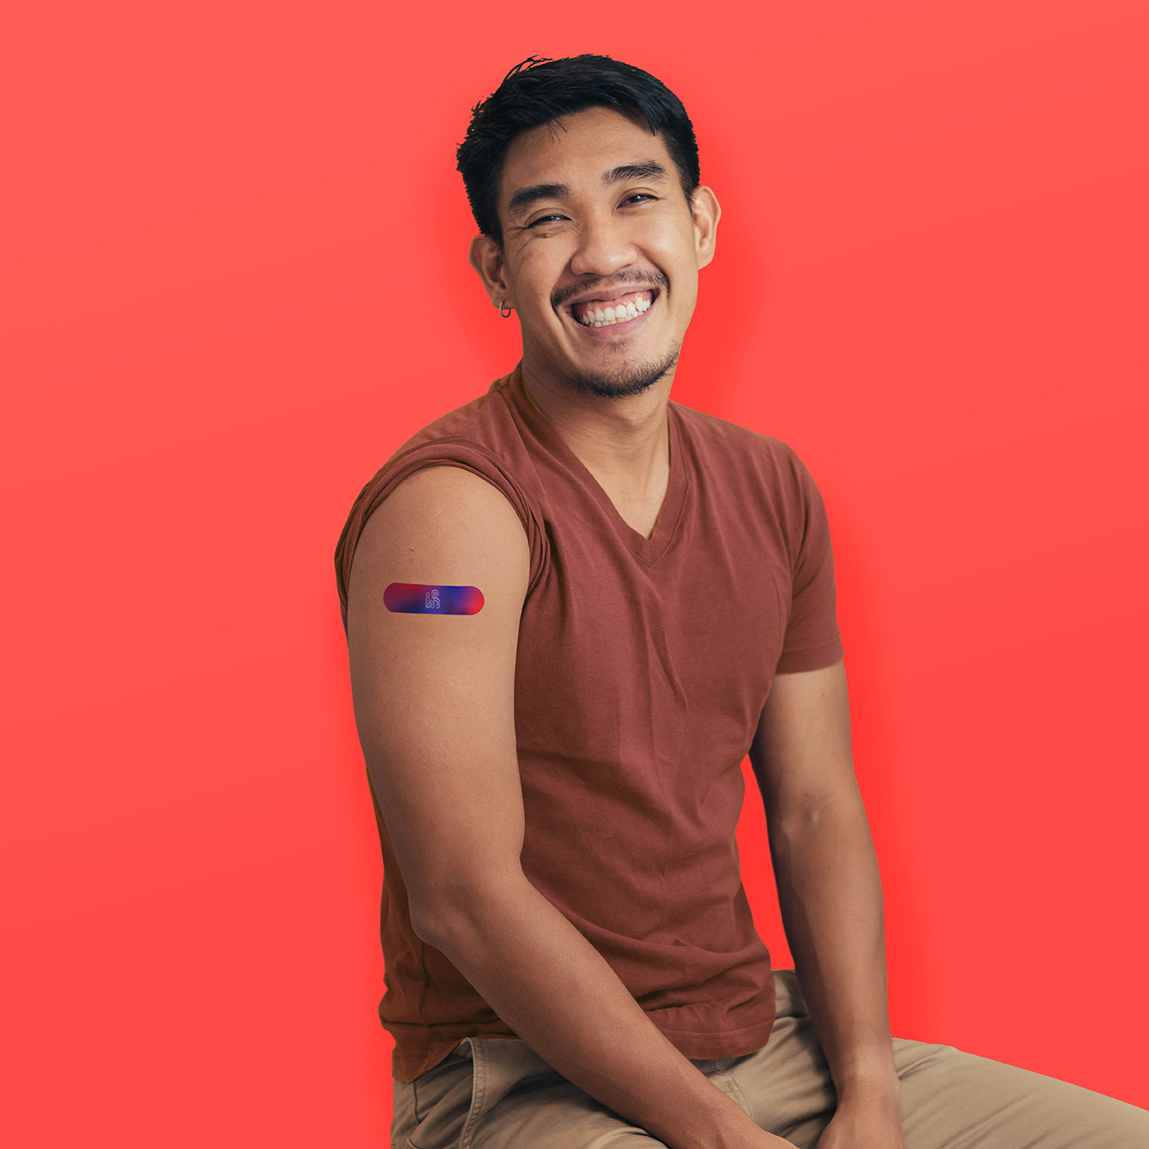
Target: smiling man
[[573, 606]]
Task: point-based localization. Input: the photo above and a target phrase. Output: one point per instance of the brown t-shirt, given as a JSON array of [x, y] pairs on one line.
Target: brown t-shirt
[[643, 666]]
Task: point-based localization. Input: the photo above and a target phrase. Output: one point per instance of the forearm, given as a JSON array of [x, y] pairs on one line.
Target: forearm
[[558, 994], [831, 900]]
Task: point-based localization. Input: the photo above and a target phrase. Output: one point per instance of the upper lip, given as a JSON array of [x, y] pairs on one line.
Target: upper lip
[[612, 293]]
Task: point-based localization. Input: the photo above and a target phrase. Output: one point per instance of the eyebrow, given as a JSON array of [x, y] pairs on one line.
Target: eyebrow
[[644, 170], [524, 197]]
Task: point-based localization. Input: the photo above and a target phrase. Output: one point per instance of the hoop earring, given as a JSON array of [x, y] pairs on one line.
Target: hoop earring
[[504, 310]]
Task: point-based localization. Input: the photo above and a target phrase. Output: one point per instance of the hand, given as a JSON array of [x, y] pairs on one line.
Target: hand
[[871, 1128]]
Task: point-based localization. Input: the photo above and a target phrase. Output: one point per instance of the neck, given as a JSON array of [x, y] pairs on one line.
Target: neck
[[623, 442]]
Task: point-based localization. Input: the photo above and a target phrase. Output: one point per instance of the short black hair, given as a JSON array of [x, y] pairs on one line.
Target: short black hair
[[539, 91]]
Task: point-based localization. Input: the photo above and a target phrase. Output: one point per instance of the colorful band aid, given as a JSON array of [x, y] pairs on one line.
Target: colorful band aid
[[417, 598]]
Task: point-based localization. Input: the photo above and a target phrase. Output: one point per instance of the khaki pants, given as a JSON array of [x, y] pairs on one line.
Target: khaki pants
[[494, 1093]]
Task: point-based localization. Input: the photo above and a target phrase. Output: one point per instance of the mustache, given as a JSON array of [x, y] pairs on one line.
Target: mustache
[[647, 278]]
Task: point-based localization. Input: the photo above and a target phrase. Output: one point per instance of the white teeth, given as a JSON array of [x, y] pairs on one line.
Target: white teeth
[[606, 316]]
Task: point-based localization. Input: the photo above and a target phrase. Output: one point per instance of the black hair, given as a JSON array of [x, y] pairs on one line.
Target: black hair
[[539, 91]]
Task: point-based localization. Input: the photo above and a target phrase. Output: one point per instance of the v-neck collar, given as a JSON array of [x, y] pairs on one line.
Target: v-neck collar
[[669, 514]]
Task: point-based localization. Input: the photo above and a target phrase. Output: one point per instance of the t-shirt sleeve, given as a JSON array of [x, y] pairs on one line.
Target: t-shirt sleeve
[[812, 640]]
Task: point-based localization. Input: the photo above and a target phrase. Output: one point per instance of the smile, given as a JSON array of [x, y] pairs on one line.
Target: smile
[[606, 313]]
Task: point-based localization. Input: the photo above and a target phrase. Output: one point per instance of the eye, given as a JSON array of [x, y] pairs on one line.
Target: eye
[[544, 219], [638, 196]]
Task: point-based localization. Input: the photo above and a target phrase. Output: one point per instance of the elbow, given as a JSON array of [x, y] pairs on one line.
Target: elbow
[[460, 910], [426, 923], [434, 920], [817, 816]]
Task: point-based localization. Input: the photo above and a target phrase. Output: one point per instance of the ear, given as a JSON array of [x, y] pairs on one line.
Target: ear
[[486, 258], [706, 213]]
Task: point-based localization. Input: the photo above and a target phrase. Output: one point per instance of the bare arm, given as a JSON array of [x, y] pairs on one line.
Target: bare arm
[[434, 704], [828, 886]]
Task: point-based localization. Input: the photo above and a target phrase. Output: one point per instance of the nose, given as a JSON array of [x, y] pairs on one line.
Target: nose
[[603, 246]]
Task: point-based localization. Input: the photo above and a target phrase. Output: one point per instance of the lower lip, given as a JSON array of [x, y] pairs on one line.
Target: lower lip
[[614, 330]]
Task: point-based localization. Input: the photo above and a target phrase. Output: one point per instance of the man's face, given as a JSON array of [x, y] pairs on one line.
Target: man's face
[[601, 252]]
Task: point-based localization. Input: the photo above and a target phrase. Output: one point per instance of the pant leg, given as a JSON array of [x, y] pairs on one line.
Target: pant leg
[[950, 1099], [496, 1093], [954, 1100]]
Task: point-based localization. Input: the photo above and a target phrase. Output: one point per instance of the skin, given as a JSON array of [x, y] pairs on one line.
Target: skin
[[430, 698]]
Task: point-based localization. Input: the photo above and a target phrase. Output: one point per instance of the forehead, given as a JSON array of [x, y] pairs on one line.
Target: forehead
[[578, 150]]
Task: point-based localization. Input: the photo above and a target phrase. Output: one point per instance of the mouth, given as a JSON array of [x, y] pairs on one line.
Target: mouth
[[615, 310]]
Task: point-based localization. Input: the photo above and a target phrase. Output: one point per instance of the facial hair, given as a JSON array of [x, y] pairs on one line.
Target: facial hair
[[633, 377]]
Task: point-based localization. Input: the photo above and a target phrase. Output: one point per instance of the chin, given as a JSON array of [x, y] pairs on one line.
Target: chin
[[632, 377]]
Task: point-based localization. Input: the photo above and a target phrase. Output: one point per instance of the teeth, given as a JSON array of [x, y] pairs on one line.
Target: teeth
[[606, 316]]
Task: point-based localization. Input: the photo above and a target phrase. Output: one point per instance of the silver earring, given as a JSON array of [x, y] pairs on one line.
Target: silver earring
[[504, 310]]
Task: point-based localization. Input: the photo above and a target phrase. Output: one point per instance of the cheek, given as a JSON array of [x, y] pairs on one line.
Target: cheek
[[671, 248], [539, 267]]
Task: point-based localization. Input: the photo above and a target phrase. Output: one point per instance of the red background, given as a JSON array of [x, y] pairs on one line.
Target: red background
[[234, 282]]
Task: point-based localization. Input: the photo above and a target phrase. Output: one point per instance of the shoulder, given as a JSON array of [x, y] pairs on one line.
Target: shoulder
[[444, 501], [480, 419], [720, 444], [459, 469]]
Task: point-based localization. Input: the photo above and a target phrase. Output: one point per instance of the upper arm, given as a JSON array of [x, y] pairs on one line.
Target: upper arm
[[434, 695], [801, 750]]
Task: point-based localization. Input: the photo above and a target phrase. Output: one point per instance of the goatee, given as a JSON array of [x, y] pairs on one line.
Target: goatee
[[632, 378]]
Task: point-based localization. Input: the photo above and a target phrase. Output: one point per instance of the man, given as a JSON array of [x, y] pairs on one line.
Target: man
[[632, 596]]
